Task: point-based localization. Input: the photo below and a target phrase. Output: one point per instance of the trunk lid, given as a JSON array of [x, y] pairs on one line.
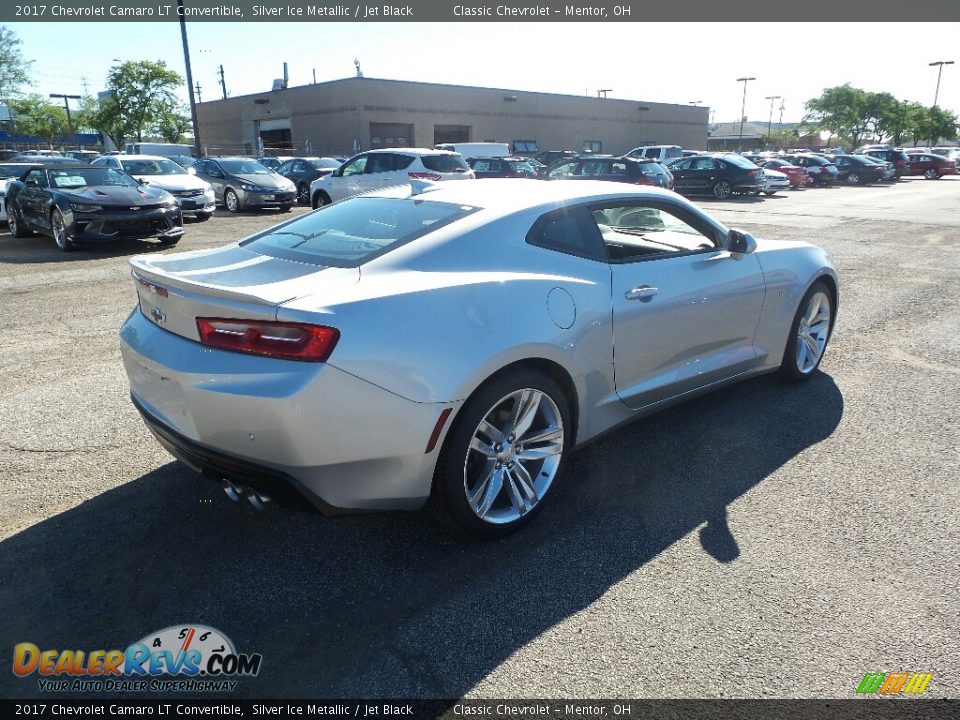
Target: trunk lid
[[230, 282]]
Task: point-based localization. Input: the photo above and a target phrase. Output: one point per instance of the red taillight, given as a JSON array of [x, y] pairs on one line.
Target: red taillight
[[425, 176], [753, 173], [290, 341]]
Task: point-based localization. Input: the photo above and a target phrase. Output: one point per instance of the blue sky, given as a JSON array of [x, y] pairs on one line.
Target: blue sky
[[640, 61]]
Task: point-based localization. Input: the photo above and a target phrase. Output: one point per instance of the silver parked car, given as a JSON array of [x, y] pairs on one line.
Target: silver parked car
[[194, 195], [242, 184], [454, 342]]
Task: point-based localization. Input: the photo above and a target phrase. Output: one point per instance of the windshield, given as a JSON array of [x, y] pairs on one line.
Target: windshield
[[151, 167], [352, 232], [324, 163], [243, 167], [74, 178], [9, 171]]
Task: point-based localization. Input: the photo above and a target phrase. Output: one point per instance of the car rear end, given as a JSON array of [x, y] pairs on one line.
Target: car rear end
[[439, 166], [743, 175], [239, 382], [648, 172]]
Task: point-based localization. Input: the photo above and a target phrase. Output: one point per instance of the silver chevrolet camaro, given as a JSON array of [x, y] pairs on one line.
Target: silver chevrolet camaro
[[452, 343]]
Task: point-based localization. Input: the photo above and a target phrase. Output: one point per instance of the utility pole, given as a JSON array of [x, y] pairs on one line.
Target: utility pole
[[771, 98], [199, 96], [223, 83], [66, 106], [186, 62], [939, 64], [83, 81], [783, 106], [743, 107]]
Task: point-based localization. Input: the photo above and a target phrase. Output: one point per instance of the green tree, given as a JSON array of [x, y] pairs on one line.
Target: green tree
[[882, 112], [142, 94], [35, 115], [14, 70], [781, 138], [932, 124], [172, 123], [841, 110]]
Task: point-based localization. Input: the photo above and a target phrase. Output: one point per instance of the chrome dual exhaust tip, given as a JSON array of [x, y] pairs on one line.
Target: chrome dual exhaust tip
[[256, 498]]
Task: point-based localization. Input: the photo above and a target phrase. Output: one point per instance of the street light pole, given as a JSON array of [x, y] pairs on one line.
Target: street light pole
[[66, 106], [743, 108], [771, 98], [939, 64], [186, 61]]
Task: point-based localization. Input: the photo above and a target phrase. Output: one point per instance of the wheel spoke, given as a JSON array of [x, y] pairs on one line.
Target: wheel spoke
[[490, 431], [525, 482], [821, 326], [802, 353], [485, 496], [514, 494], [524, 411], [812, 348], [481, 447], [539, 436], [555, 447], [812, 309]]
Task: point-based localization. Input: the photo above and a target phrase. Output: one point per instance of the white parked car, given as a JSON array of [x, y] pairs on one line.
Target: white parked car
[[775, 180], [8, 172], [377, 169], [194, 195]]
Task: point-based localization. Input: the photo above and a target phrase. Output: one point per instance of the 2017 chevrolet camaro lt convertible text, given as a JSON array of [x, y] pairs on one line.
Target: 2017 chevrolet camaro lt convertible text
[[452, 343]]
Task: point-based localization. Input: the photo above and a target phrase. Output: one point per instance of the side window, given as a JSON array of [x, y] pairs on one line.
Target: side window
[[642, 231], [591, 168], [681, 164], [285, 167], [355, 166], [705, 164], [481, 165], [563, 170], [378, 163], [618, 168], [402, 162], [569, 231], [36, 177]]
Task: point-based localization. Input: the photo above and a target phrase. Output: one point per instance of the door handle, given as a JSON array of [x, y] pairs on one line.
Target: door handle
[[643, 292]]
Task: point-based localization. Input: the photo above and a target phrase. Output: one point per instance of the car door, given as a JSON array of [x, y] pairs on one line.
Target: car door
[[32, 201], [684, 309], [379, 171], [215, 175], [349, 179], [288, 170], [703, 170], [680, 170]]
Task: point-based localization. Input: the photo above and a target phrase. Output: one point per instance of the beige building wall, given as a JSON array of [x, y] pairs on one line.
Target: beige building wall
[[335, 117]]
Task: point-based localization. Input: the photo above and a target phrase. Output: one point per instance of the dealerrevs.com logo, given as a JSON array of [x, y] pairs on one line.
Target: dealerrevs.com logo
[[185, 658]]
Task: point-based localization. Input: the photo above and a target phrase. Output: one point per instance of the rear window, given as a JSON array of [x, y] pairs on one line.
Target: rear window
[[651, 169], [352, 232], [445, 163], [739, 162]]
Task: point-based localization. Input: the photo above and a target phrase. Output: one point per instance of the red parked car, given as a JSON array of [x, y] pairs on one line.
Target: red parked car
[[798, 176], [931, 166]]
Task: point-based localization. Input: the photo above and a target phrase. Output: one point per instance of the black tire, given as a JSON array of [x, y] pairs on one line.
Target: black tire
[[15, 222], [721, 190], [853, 178], [59, 231], [790, 369], [303, 194], [932, 174], [232, 201], [448, 499], [204, 216], [319, 199]]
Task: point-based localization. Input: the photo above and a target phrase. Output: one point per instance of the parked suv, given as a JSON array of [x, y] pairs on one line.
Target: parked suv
[[617, 169], [660, 153], [375, 169]]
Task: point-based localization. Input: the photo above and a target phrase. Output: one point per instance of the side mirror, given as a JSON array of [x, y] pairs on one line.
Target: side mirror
[[741, 243], [143, 182]]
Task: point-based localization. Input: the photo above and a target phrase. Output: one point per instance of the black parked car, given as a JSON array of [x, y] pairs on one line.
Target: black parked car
[[821, 170], [502, 167], [552, 157], [720, 175], [89, 204], [304, 170], [857, 170], [639, 171]]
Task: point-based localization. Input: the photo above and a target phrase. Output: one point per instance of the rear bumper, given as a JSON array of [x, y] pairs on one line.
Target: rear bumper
[[284, 427]]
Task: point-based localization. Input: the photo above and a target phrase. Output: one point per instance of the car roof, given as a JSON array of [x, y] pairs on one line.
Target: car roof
[[418, 151], [507, 196], [141, 157]]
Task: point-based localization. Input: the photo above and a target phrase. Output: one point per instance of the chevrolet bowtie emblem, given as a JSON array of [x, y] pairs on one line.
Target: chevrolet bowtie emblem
[[159, 316]]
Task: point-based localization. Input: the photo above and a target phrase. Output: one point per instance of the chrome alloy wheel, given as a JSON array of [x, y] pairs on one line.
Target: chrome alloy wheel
[[59, 230], [514, 456], [813, 332]]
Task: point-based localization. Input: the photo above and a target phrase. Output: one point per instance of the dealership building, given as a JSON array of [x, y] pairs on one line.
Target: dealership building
[[345, 116]]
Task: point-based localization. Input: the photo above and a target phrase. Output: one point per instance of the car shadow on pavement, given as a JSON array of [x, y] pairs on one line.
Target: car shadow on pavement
[[41, 249], [389, 605]]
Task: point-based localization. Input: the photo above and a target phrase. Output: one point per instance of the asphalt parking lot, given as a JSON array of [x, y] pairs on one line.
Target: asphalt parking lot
[[762, 541]]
